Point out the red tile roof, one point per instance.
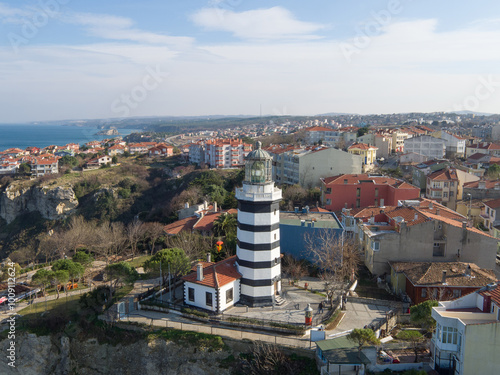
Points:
(361, 146)
(217, 274)
(444, 175)
(319, 129)
(431, 273)
(180, 225)
(494, 293)
(494, 203)
(489, 184)
(353, 179)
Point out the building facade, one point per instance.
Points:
(467, 335)
(426, 145)
(364, 190)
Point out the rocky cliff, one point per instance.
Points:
(51, 202)
(56, 355)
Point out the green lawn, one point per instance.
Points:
(139, 261)
(70, 304)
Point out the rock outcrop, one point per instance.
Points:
(52, 202)
(51, 355)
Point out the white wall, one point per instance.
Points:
(258, 237)
(236, 294)
(199, 296)
(260, 273)
(257, 291)
(258, 219)
(258, 256)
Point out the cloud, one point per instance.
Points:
(121, 28)
(267, 24)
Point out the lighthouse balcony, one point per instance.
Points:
(258, 193)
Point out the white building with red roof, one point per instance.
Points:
(44, 164)
(213, 286)
(467, 336)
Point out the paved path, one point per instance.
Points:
(358, 315)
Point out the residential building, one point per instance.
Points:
(407, 160)
(490, 212)
(471, 209)
(219, 153)
(202, 221)
(455, 145)
(440, 281)
(384, 145)
(9, 167)
(213, 286)
(161, 150)
(442, 186)
(363, 190)
(398, 140)
(117, 150)
(367, 153)
(423, 231)
(422, 170)
(320, 134)
(426, 145)
(303, 228)
(482, 189)
(98, 162)
(492, 149)
(141, 148)
(42, 165)
(305, 166)
(467, 335)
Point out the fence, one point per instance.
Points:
(220, 331)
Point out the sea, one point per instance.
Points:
(25, 135)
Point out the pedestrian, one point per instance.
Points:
(320, 308)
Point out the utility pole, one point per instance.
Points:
(169, 284)
(161, 279)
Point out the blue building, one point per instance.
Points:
(296, 227)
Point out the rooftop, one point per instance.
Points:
(431, 273)
(216, 274)
(320, 219)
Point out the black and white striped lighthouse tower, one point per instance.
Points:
(258, 249)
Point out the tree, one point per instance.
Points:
(421, 314)
(42, 278)
(6, 271)
(494, 171)
(225, 225)
(60, 277)
(121, 272)
(75, 270)
(175, 259)
(414, 337)
(294, 268)
(114, 159)
(84, 258)
(338, 259)
(193, 244)
(134, 232)
(362, 131)
(24, 169)
(362, 337)
(70, 161)
(154, 231)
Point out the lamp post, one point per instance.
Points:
(469, 216)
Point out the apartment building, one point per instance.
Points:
(368, 154)
(330, 137)
(490, 214)
(426, 145)
(422, 231)
(306, 166)
(41, 166)
(398, 140)
(219, 153)
(455, 145)
(492, 149)
(364, 190)
(467, 335)
(482, 189)
(442, 186)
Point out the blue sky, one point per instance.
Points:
(69, 59)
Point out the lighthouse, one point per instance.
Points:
(258, 249)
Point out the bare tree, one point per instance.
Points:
(154, 231)
(194, 245)
(134, 232)
(267, 359)
(338, 259)
(294, 268)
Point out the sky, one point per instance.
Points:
(75, 59)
